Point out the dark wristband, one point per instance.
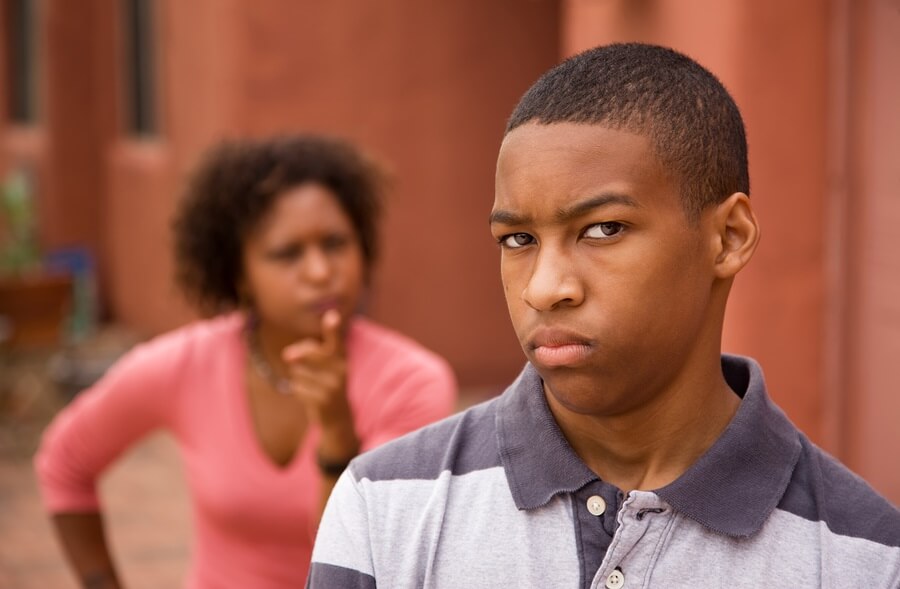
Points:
(332, 468)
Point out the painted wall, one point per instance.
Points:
(871, 403)
(425, 89)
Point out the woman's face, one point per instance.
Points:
(303, 258)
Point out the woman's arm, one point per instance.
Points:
(83, 540)
(337, 446)
(133, 398)
(319, 379)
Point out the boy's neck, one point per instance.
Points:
(650, 447)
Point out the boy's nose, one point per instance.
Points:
(553, 283)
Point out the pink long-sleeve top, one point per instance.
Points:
(253, 520)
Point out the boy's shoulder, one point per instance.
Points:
(823, 489)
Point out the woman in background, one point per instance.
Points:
(271, 397)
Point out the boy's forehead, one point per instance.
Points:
(577, 143)
(576, 158)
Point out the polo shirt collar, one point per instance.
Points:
(537, 459)
(731, 489)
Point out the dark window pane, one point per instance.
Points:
(21, 65)
(140, 74)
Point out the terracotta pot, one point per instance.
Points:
(34, 308)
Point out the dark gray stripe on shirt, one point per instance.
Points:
(463, 443)
(328, 575)
(847, 505)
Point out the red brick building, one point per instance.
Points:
(109, 103)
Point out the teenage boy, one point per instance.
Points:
(629, 452)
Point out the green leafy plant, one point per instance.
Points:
(19, 249)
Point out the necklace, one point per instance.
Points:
(262, 366)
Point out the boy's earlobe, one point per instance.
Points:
(737, 234)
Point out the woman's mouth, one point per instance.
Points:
(322, 305)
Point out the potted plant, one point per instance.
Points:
(34, 303)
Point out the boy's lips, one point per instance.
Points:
(555, 347)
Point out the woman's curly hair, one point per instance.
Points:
(236, 184)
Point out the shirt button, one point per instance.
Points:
(615, 580)
(596, 505)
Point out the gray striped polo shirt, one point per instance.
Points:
(495, 497)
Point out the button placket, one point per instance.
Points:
(639, 528)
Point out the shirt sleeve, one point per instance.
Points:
(135, 397)
(342, 555)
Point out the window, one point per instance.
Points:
(21, 60)
(140, 67)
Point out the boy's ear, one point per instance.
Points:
(736, 234)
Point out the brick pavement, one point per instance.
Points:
(147, 518)
(145, 499)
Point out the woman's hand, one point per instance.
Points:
(318, 375)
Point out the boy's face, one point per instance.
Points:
(608, 284)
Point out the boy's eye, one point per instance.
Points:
(516, 240)
(604, 230)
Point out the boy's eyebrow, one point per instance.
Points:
(578, 209)
(566, 214)
(508, 218)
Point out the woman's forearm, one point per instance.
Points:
(338, 445)
(84, 542)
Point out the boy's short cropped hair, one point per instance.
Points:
(695, 126)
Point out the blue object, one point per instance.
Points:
(77, 261)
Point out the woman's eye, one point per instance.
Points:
(516, 240)
(334, 242)
(286, 253)
(604, 230)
